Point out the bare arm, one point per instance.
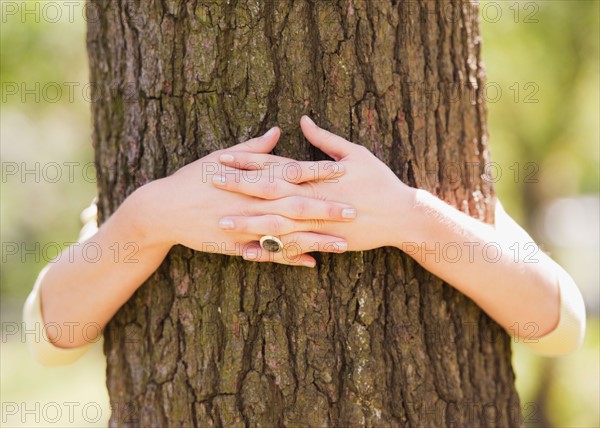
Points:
(89, 282)
(499, 267)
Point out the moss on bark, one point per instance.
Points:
(368, 338)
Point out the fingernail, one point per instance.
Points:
(251, 255)
(348, 213)
(341, 246)
(269, 132)
(310, 121)
(218, 179)
(226, 224)
(309, 263)
(226, 158)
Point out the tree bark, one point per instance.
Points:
(367, 338)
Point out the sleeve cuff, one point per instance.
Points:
(568, 335)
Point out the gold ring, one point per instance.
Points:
(271, 244)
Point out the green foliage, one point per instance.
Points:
(45, 119)
(545, 126)
(547, 111)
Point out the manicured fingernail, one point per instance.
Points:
(218, 179)
(226, 223)
(309, 263)
(310, 121)
(348, 213)
(341, 246)
(226, 158)
(251, 255)
(269, 133)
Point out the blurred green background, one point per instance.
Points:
(543, 95)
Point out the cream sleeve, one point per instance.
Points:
(568, 334)
(44, 351)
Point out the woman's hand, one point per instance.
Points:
(382, 202)
(391, 213)
(185, 208)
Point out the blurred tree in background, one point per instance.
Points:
(543, 56)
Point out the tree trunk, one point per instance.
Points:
(367, 338)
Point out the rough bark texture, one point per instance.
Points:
(367, 338)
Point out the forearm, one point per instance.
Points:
(90, 281)
(520, 292)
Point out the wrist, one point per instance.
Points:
(138, 221)
(412, 217)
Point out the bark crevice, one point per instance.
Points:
(367, 339)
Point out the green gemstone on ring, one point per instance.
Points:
(271, 244)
